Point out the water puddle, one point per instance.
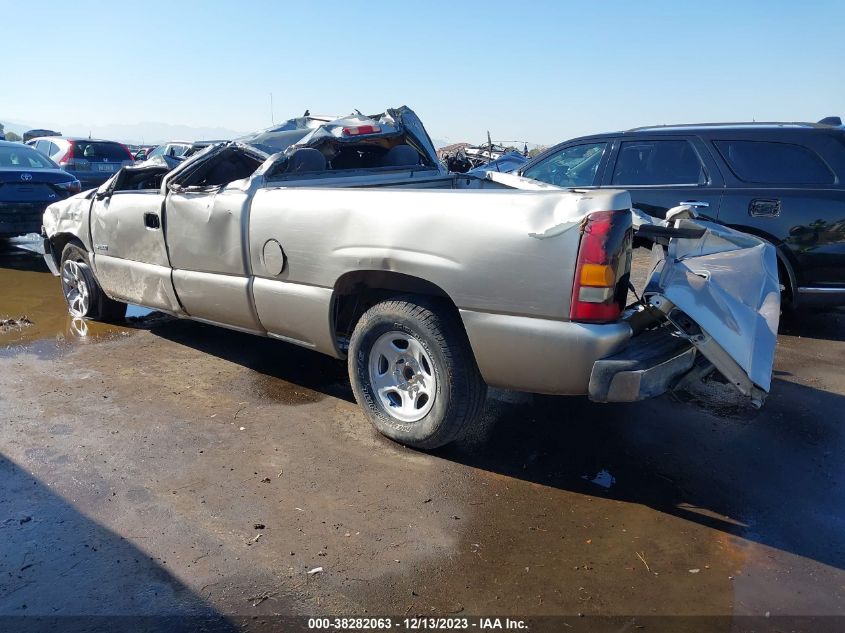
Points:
(33, 314)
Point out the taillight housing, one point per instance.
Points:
(71, 187)
(603, 267)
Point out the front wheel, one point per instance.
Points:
(413, 372)
(85, 299)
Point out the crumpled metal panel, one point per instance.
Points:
(393, 122)
(727, 282)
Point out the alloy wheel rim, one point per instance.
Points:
(75, 288)
(402, 376)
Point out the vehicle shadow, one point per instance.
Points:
(64, 571)
(826, 325)
(770, 477)
(269, 357)
(14, 258)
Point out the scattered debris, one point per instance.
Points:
(694, 571)
(21, 322)
(254, 539)
(259, 526)
(718, 397)
(266, 480)
(25, 519)
(316, 570)
(266, 595)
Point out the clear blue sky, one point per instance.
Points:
(538, 71)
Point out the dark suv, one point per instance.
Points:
(784, 182)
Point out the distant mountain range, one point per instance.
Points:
(148, 132)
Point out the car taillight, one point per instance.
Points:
(69, 156)
(72, 187)
(361, 129)
(603, 267)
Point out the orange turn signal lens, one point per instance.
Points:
(597, 275)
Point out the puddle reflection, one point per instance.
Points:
(32, 303)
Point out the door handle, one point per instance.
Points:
(152, 221)
(696, 204)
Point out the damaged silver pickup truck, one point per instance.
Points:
(347, 236)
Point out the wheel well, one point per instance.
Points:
(58, 243)
(787, 278)
(356, 292)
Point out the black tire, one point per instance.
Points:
(97, 306)
(459, 390)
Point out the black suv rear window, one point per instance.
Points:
(100, 151)
(767, 162)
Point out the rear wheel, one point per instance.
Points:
(414, 374)
(85, 299)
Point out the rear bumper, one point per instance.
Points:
(92, 180)
(21, 218)
(648, 366)
(540, 355)
(606, 362)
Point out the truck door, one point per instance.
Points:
(207, 219)
(130, 256)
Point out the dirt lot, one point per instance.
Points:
(173, 467)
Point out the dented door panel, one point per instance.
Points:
(205, 231)
(220, 299)
(129, 253)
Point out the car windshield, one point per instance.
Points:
(24, 157)
(100, 151)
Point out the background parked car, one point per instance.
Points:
(91, 161)
(31, 134)
(143, 152)
(29, 182)
(784, 182)
(179, 149)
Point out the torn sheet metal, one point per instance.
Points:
(727, 282)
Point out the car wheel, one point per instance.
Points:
(413, 372)
(85, 299)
